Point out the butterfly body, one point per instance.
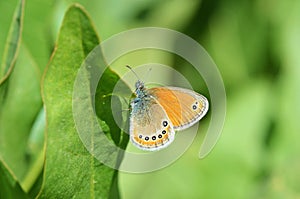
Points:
(157, 112)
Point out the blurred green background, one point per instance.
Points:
(255, 45)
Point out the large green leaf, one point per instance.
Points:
(70, 171)
(12, 43)
(9, 186)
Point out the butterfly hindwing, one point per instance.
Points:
(183, 107)
(150, 126)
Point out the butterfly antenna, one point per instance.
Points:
(133, 72)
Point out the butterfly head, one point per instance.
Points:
(139, 88)
(139, 85)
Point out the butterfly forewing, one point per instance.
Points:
(151, 129)
(183, 107)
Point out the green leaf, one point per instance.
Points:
(9, 186)
(12, 43)
(18, 111)
(70, 170)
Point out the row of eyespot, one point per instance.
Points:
(153, 137)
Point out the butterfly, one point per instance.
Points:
(156, 113)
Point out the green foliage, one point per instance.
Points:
(69, 169)
(20, 102)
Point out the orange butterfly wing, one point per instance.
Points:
(183, 107)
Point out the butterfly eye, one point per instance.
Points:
(159, 136)
(146, 138)
(140, 136)
(165, 123)
(194, 107)
(164, 132)
(154, 137)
